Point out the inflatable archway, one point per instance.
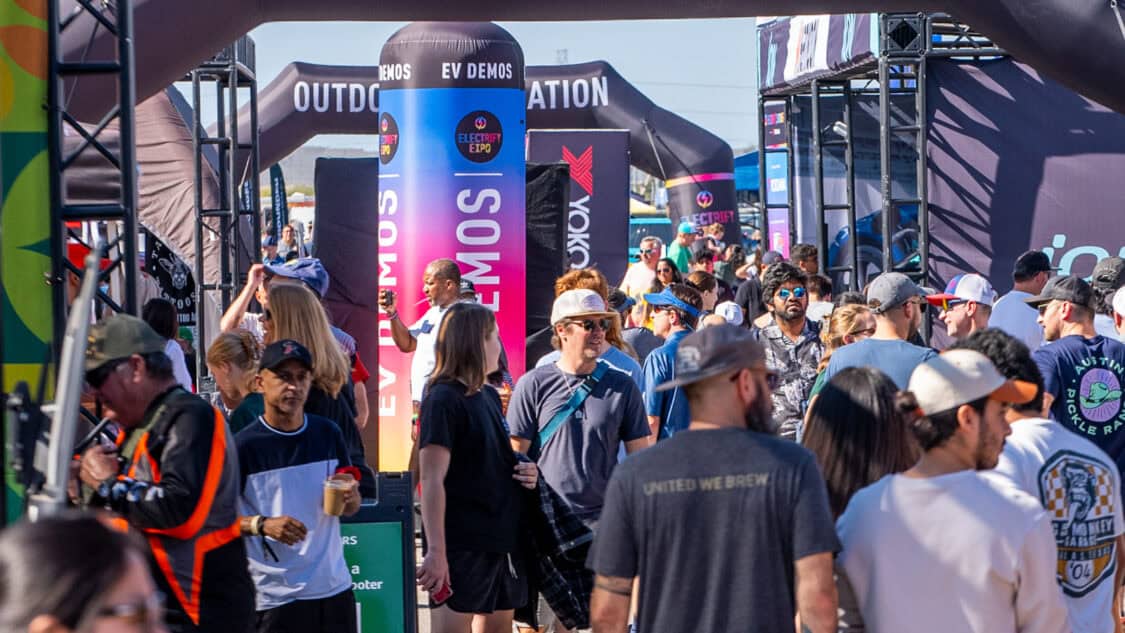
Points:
(1079, 43)
(309, 99)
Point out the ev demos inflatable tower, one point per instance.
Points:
(451, 185)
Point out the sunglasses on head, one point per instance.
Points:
(590, 324)
(97, 377)
(785, 293)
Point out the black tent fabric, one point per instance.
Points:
(1018, 161)
(548, 196)
(345, 188)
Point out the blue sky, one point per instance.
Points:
(703, 70)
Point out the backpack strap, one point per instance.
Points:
(576, 399)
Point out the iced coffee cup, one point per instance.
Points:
(335, 491)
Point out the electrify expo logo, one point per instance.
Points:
(704, 199)
(388, 138)
(479, 136)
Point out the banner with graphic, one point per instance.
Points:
(793, 51)
(279, 203)
(451, 185)
(598, 219)
(25, 202)
(175, 278)
(1031, 165)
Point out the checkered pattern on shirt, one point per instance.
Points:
(1054, 490)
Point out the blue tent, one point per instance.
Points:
(746, 172)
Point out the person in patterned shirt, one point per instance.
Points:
(792, 343)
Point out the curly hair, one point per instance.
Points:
(777, 275)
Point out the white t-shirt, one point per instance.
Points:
(174, 352)
(425, 331)
(638, 280)
(1015, 317)
(960, 552)
(1080, 488)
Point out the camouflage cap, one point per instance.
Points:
(120, 336)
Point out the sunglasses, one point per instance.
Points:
(785, 293)
(647, 251)
(590, 324)
(97, 377)
(949, 304)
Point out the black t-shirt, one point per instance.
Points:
(712, 522)
(341, 410)
(482, 501)
(749, 297)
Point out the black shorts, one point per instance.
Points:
(484, 582)
(334, 614)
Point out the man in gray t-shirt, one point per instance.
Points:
(578, 459)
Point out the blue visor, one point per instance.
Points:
(667, 299)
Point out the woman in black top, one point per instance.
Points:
(470, 483)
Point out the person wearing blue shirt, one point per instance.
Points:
(675, 312)
(897, 303)
(1083, 372)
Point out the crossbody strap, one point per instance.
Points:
(576, 400)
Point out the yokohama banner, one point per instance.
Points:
(598, 220)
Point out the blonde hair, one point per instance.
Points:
(240, 349)
(841, 323)
(298, 315)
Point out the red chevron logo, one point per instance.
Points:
(581, 168)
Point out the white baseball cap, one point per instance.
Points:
(730, 311)
(965, 287)
(1119, 301)
(961, 376)
(578, 303)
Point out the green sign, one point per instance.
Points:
(374, 555)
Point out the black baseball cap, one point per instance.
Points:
(283, 350)
(1070, 288)
(1032, 263)
(713, 351)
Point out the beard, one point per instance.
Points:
(759, 416)
(790, 313)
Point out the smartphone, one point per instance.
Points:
(441, 595)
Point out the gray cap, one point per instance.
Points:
(1070, 288)
(714, 351)
(892, 290)
(1109, 274)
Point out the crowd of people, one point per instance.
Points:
(718, 443)
(767, 455)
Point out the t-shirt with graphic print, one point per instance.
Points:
(1086, 377)
(1080, 487)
